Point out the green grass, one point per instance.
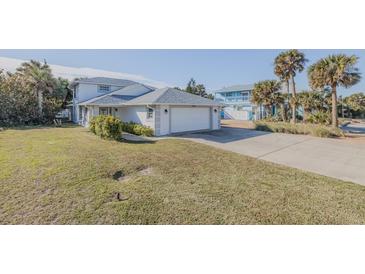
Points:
(65, 176)
(299, 128)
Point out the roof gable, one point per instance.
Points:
(171, 96)
(119, 96)
(104, 81)
(236, 88)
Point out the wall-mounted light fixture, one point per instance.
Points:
(116, 109)
(166, 111)
(215, 110)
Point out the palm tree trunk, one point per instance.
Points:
(40, 102)
(267, 110)
(334, 107)
(305, 114)
(283, 112)
(294, 107)
(287, 106)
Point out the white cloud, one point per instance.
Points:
(10, 64)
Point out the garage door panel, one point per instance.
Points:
(189, 119)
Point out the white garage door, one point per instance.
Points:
(189, 118)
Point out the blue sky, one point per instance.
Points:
(213, 68)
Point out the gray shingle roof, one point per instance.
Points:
(112, 100)
(236, 88)
(105, 81)
(171, 96)
(118, 96)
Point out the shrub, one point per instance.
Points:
(306, 129)
(107, 127)
(137, 129)
(320, 117)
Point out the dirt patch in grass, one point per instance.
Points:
(145, 171)
(120, 176)
(119, 197)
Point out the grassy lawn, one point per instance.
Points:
(68, 176)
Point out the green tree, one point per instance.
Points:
(31, 95)
(355, 101)
(39, 78)
(266, 93)
(18, 103)
(334, 71)
(191, 86)
(197, 89)
(62, 92)
(287, 65)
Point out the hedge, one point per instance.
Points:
(299, 128)
(109, 127)
(137, 129)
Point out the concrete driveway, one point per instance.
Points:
(331, 157)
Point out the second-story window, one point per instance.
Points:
(245, 96)
(103, 88)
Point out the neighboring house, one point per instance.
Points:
(165, 110)
(237, 101)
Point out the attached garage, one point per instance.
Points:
(166, 111)
(190, 119)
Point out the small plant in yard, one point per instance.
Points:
(299, 128)
(107, 127)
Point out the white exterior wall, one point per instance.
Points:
(85, 92)
(161, 120)
(216, 118)
(137, 114)
(88, 91)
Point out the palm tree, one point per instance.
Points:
(334, 71)
(40, 77)
(281, 71)
(287, 65)
(309, 100)
(279, 100)
(266, 93)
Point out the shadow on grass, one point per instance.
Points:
(136, 142)
(50, 126)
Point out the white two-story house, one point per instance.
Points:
(165, 110)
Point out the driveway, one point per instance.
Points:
(336, 158)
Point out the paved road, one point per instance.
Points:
(357, 128)
(331, 157)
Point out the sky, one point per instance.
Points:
(213, 68)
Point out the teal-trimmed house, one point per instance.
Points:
(237, 103)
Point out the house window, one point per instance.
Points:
(245, 96)
(149, 113)
(103, 111)
(103, 88)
